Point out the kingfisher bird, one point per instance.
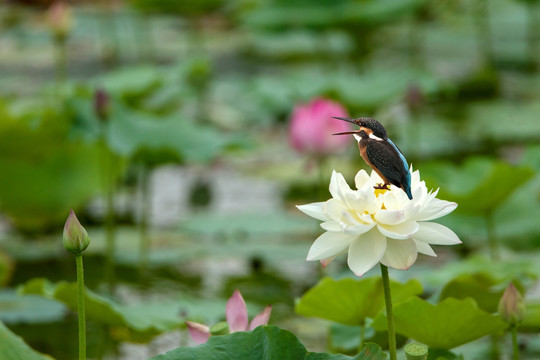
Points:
(379, 152)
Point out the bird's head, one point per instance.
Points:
(368, 126)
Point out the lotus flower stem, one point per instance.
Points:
(61, 59)
(481, 20)
(108, 189)
(80, 306)
(109, 37)
(389, 313)
(144, 245)
(515, 348)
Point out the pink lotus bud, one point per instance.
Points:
(101, 104)
(312, 127)
(511, 305)
(60, 19)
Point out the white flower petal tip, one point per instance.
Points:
(315, 210)
(436, 234)
(329, 244)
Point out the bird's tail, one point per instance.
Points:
(407, 190)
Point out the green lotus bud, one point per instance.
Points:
(60, 19)
(512, 305)
(75, 238)
(221, 328)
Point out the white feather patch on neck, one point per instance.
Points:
(374, 137)
(357, 137)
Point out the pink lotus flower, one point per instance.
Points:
(312, 127)
(237, 318)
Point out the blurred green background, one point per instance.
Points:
(183, 171)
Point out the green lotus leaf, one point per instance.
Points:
(350, 301)
(263, 343)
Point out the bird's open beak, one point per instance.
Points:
(346, 133)
(352, 121)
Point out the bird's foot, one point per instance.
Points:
(382, 187)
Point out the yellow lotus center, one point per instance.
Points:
(380, 192)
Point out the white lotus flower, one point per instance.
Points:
(378, 225)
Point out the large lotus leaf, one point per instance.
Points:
(368, 91)
(132, 83)
(36, 193)
(279, 15)
(448, 324)
(350, 301)
(6, 267)
(481, 287)
(346, 338)
(16, 309)
(137, 323)
(263, 343)
(44, 172)
(132, 133)
(532, 157)
(479, 186)
(13, 347)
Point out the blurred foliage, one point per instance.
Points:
(31, 309)
(6, 267)
(14, 348)
(189, 8)
(48, 172)
(322, 14)
(136, 323)
(479, 186)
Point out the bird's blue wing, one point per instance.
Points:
(388, 160)
(404, 161)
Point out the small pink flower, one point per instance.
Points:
(237, 318)
(312, 127)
